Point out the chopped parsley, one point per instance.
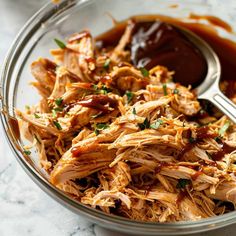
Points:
(103, 90)
(95, 87)
(100, 126)
(57, 109)
(209, 155)
(144, 71)
(156, 124)
(175, 91)
(134, 111)
(218, 139)
(182, 183)
(224, 128)
(27, 107)
(145, 124)
(54, 113)
(107, 63)
(60, 44)
(36, 115)
(96, 131)
(58, 101)
(129, 96)
(27, 152)
(58, 126)
(164, 89)
(192, 140)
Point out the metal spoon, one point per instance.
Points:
(209, 88)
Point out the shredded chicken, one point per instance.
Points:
(127, 142)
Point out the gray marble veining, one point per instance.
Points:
(25, 210)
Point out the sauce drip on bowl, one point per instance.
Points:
(224, 48)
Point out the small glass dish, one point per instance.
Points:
(36, 39)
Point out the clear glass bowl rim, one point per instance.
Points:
(109, 221)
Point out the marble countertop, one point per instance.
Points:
(25, 210)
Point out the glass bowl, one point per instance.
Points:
(36, 39)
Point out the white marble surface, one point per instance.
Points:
(24, 209)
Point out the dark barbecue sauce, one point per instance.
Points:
(99, 102)
(180, 197)
(156, 41)
(201, 133)
(197, 174)
(217, 156)
(164, 44)
(159, 43)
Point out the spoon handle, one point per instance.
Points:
(224, 104)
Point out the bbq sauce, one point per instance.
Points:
(197, 174)
(221, 153)
(201, 133)
(99, 102)
(224, 48)
(181, 195)
(159, 43)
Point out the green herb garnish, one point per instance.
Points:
(218, 139)
(36, 115)
(58, 101)
(96, 131)
(27, 107)
(60, 44)
(145, 124)
(156, 124)
(164, 89)
(54, 113)
(182, 183)
(100, 126)
(57, 125)
(129, 95)
(144, 71)
(27, 152)
(134, 111)
(224, 128)
(175, 91)
(95, 87)
(104, 90)
(192, 140)
(209, 155)
(107, 63)
(57, 109)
